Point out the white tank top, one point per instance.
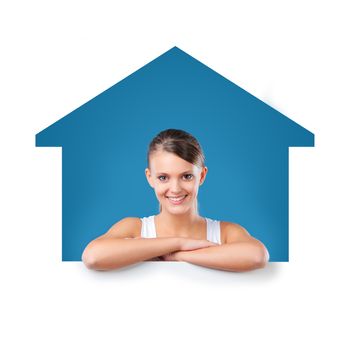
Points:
(213, 229)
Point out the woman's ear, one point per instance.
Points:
(149, 177)
(203, 175)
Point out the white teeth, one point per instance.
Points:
(177, 199)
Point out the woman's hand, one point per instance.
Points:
(186, 245)
(192, 244)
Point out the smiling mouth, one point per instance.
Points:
(177, 200)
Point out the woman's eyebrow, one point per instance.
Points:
(185, 172)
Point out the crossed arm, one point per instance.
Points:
(239, 256)
(240, 252)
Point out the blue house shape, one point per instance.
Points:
(104, 144)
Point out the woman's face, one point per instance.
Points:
(175, 181)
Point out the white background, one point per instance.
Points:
(55, 56)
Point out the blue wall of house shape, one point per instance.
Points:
(104, 144)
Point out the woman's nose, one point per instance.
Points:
(175, 187)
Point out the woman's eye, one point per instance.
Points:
(188, 176)
(163, 178)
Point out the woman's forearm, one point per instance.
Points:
(112, 253)
(240, 256)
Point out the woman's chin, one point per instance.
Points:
(178, 209)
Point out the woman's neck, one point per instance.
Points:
(179, 224)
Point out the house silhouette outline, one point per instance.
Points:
(104, 145)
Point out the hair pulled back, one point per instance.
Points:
(180, 143)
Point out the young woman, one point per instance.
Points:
(178, 233)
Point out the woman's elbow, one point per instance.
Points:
(89, 258)
(262, 256)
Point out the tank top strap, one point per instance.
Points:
(213, 231)
(148, 229)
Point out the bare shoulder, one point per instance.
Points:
(232, 233)
(129, 227)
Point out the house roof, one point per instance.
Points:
(172, 85)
